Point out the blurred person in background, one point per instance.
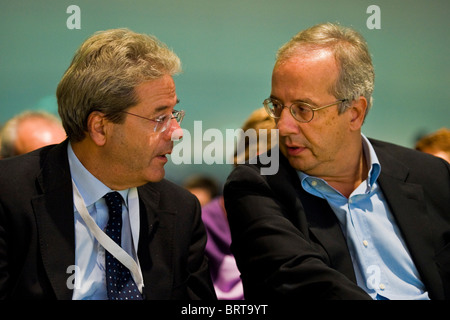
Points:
(205, 188)
(224, 272)
(29, 131)
(436, 143)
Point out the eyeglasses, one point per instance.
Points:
(162, 122)
(301, 111)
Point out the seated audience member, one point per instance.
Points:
(29, 131)
(436, 143)
(224, 272)
(345, 216)
(93, 218)
(1, 127)
(203, 187)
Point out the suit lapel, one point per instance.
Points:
(321, 220)
(156, 243)
(407, 203)
(325, 227)
(54, 217)
(53, 208)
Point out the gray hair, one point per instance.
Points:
(356, 73)
(104, 73)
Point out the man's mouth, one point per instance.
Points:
(295, 150)
(163, 156)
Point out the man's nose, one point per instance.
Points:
(286, 124)
(175, 130)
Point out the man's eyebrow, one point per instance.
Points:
(307, 100)
(159, 109)
(162, 108)
(273, 97)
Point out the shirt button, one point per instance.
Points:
(314, 183)
(382, 286)
(365, 243)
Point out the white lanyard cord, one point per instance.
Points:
(107, 243)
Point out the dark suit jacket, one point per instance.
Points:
(288, 243)
(37, 243)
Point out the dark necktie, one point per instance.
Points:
(119, 282)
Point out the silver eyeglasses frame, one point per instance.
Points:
(269, 101)
(162, 122)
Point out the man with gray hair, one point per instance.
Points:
(345, 217)
(93, 217)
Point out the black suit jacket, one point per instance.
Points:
(37, 243)
(288, 243)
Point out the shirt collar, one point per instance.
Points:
(90, 188)
(372, 163)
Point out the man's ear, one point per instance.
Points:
(96, 125)
(357, 111)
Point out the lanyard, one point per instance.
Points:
(105, 240)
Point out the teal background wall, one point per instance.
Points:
(228, 48)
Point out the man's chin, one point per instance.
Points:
(155, 175)
(297, 163)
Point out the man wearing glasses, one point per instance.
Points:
(93, 218)
(345, 217)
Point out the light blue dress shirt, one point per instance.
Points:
(382, 263)
(90, 281)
